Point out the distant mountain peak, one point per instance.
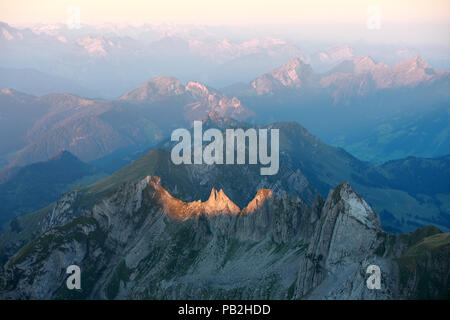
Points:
(197, 98)
(294, 74)
(293, 69)
(418, 62)
(95, 46)
(362, 75)
(364, 59)
(410, 64)
(198, 89)
(333, 55)
(165, 80)
(155, 89)
(413, 71)
(364, 62)
(294, 63)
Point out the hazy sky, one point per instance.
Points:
(224, 12)
(408, 21)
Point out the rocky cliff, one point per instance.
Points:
(141, 242)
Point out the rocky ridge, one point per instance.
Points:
(128, 246)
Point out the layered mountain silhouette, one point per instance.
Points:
(34, 186)
(307, 166)
(200, 100)
(156, 230)
(144, 52)
(38, 83)
(361, 75)
(375, 111)
(224, 231)
(91, 129)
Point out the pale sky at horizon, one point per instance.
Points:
(231, 12)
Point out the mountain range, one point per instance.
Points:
(94, 128)
(86, 175)
(375, 111)
(358, 94)
(158, 230)
(359, 76)
(111, 59)
(140, 242)
(355, 77)
(407, 193)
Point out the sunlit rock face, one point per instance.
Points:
(217, 203)
(258, 201)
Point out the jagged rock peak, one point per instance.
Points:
(294, 63)
(261, 196)
(416, 62)
(355, 206)
(292, 73)
(217, 203)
